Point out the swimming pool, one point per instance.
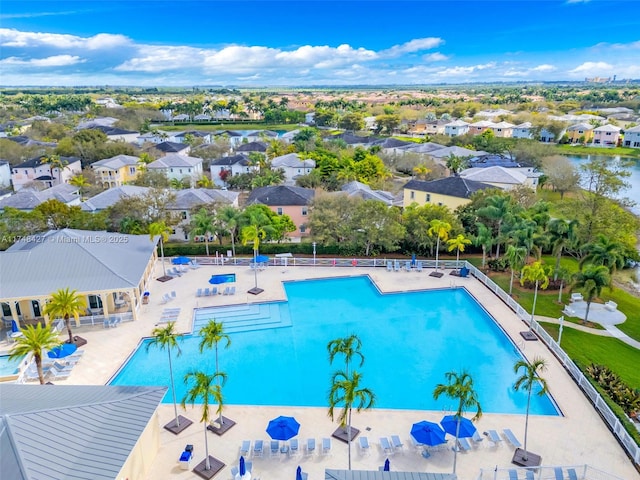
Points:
(409, 340)
(9, 367)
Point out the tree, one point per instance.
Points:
(351, 122)
(81, 182)
(388, 123)
(202, 224)
(161, 229)
(516, 258)
(166, 337)
(440, 230)
(376, 226)
(484, 238)
(458, 243)
(34, 341)
(530, 377)
(498, 209)
(66, 303)
(227, 219)
(346, 390)
(349, 347)
(561, 174)
(459, 387)
(604, 251)
(455, 164)
(536, 272)
(212, 334)
(592, 279)
(561, 234)
(205, 388)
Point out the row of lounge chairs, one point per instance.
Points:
(54, 369)
(395, 266)
(214, 291)
(112, 322)
(291, 448)
(167, 297)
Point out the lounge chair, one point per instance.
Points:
(214, 291)
(611, 306)
(294, 447)
(396, 442)
(477, 437)
(396, 266)
(59, 374)
(234, 471)
(576, 297)
(529, 475)
(326, 446)
(105, 323)
(364, 445)
(464, 445)
(571, 472)
(386, 446)
(226, 291)
(114, 321)
(389, 266)
(248, 465)
(311, 446)
(173, 294)
(512, 438)
(59, 367)
(257, 448)
(407, 266)
(513, 475)
(493, 436)
(232, 291)
(419, 266)
(165, 298)
(206, 292)
(199, 293)
(275, 448)
(557, 471)
(245, 447)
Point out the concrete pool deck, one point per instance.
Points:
(579, 437)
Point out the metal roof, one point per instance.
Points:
(73, 432)
(110, 196)
(281, 195)
(117, 162)
(28, 198)
(495, 174)
(450, 186)
(81, 260)
(377, 475)
(173, 160)
(191, 197)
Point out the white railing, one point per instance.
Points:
(583, 472)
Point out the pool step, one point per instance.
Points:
(243, 318)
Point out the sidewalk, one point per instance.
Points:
(610, 330)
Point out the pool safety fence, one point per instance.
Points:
(583, 472)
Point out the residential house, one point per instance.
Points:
(451, 192)
(546, 136)
(188, 199)
(235, 138)
(179, 167)
(182, 137)
(286, 200)
(119, 134)
(361, 190)
(289, 136)
(480, 127)
(498, 160)
(370, 123)
(442, 155)
(121, 422)
(38, 170)
(172, 147)
(435, 127)
(524, 130)
(116, 171)
(29, 142)
(259, 147)
(499, 177)
(421, 148)
(233, 164)
(502, 129)
(580, 133)
(608, 135)
(203, 117)
(5, 174)
(391, 145)
(104, 268)
(181, 117)
(97, 122)
(493, 113)
(352, 140)
(632, 137)
(293, 166)
(455, 128)
(26, 199)
(110, 197)
(259, 135)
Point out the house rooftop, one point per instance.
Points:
(450, 186)
(173, 161)
(39, 160)
(252, 147)
(240, 159)
(608, 128)
(192, 197)
(117, 162)
(292, 160)
(109, 197)
(28, 198)
(170, 147)
(495, 174)
(281, 195)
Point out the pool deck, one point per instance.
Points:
(579, 437)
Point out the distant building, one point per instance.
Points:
(178, 167)
(360, 190)
(580, 133)
(499, 177)
(455, 128)
(607, 135)
(110, 197)
(116, 171)
(524, 130)
(286, 200)
(233, 164)
(451, 192)
(632, 137)
(40, 171)
(293, 166)
(26, 199)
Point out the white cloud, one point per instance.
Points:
(162, 58)
(14, 38)
(53, 61)
(412, 46)
(435, 57)
(591, 68)
(544, 68)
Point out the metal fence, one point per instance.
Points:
(583, 472)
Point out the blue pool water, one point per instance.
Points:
(409, 340)
(9, 367)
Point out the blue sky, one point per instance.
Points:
(300, 42)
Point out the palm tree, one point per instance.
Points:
(536, 272)
(561, 233)
(202, 224)
(259, 223)
(349, 347)
(529, 377)
(81, 182)
(458, 244)
(346, 390)
(604, 251)
(204, 182)
(498, 209)
(160, 228)
(34, 340)
(66, 303)
(515, 257)
(459, 387)
(166, 337)
(441, 230)
(212, 334)
(55, 162)
(227, 217)
(484, 239)
(591, 280)
(206, 388)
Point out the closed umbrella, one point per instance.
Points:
(450, 425)
(428, 433)
(243, 468)
(386, 465)
(283, 428)
(14, 326)
(299, 473)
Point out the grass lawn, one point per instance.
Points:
(580, 150)
(584, 349)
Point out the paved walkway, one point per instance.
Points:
(609, 331)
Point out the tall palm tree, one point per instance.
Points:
(227, 217)
(205, 388)
(516, 258)
(211, 336)
(562, 233)
(498, 209)
(166, 337)
(254, 232)
(484, 239)
(459, 387)
(591, 280)
(346, 390)
(604, 251)
(81, 182)
(458, 244)
(536, 272)
(202, 224)
(35, 340)
(160, 228)
(66, 303)
(440, 229)
(349, 347)
(530, 376)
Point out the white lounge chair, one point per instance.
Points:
(173, 294)
(396, 265)
(493, 436)
(311, 446)
(257, 448)
(396, 442)
(294, 447)
(206, 292)
(326, 446)
(245, 447)
(232, 291)
(364, 445)
(508, 434)
(611, 306)
(389, 266)
(275, 448)
(226, 291)
(418, 266)
(386, 446)
(199, 293)
(463, 444)
(477, 438)
(214, 291)
(571, 472)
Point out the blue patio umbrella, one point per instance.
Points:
(450, 424)
(181, 261)
(413, 259)
(428, 433)
(242, 467)
(62, 351)
(386, 465)
(262, 259)
(299, 473)
(283, 428)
